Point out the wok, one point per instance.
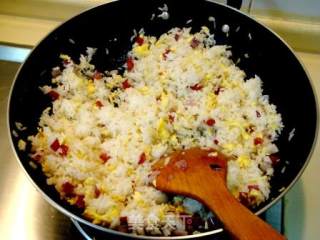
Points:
(111, 25)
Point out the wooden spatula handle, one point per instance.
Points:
(240, 222)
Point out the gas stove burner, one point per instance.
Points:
(273, 216)
(81, 230)
(93, 234)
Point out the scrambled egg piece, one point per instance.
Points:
(90, 87)
(164, 100)
(211, 101)
(143, 90)
(163, 132)
(228, 146)
(141, 51)
(22, 145)
(244, 161)
(64, 57)
(174, 140)
(137, 197)
(108, 216)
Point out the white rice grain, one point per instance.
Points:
(291, 134)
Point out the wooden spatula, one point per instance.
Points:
(201, 174)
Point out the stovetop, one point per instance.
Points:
(24, 214)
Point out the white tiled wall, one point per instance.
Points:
(307, 8)
(302, 9)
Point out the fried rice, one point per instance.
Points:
(103, 132)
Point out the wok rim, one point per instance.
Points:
(82, 220)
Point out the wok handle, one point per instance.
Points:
(235, 3)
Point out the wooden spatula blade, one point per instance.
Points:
(201, 174)
(187, 170)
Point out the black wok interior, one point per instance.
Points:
(284, 79)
